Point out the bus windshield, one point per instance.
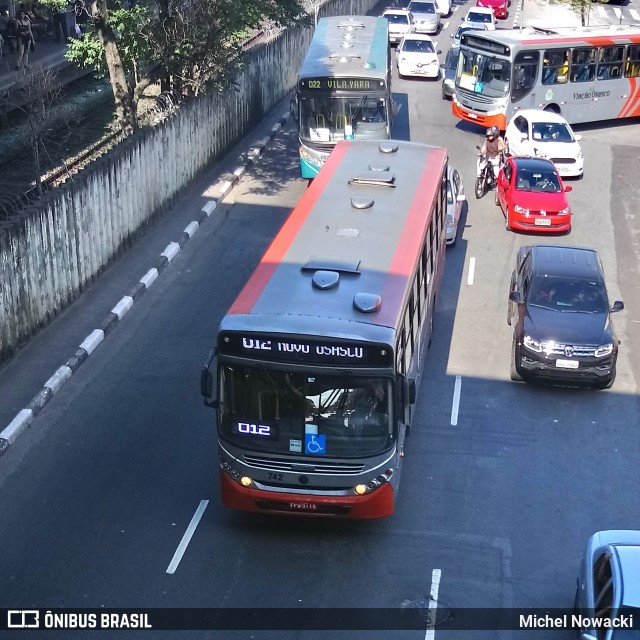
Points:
(484, 74)
(278, 412)
(323, 117)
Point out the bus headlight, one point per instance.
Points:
(246, 481)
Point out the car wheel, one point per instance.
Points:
(495, 197)
(514, 374)
(480, 186)
(507, 152)
(507, 226)
(431, 325)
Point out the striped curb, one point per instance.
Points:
(225, 184)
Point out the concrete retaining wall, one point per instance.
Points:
(59, 246)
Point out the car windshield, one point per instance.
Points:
(484, 74)
(452, 59)
(551, 132)
(476, 16)
(422, 7)
(418, 46)
(568, 294)
(395, 18)
(280, 412)
(537, 181)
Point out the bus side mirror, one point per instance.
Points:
(206, 382)
(293, 107)
(395, 109)
(410, 395)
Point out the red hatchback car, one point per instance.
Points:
(499, 7)
(532, 197)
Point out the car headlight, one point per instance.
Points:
(604, 350)
(518, 209)
(580, 156)
(532, 344)
(565, 211)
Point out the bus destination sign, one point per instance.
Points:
(304, 351)
(341, 84)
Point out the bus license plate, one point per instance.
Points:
(302, 506)
(543, 222)
(567, 364)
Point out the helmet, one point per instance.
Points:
(492, 132)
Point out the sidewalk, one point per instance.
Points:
(47, 55)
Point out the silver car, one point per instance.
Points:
(609, 584)
(449, 69)
(455, 200)
(426, 16)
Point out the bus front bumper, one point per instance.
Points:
(484, 120)
(377, 504)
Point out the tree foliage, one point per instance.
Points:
(580, 7)
(192, 43)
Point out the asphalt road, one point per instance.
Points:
(97, 496)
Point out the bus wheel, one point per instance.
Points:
(554, 108)
(431, 327)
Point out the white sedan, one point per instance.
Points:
(482, 15)
(416, 55)
(455, 200)
(533, 132)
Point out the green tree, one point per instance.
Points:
(581, 7)
(192, 43)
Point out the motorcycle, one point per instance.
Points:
(485, 174)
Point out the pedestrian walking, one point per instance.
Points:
(25, 39)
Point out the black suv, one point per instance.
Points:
(559, 310)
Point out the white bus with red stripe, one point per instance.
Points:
(585, 74)
(319, 357)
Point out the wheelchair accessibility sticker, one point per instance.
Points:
(315, 444)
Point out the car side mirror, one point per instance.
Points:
(451, 35)
(514, 296)
(618, 305)
(411, 391)
(578, 137)
(438, 51)
(568, 187)
(442, 65)
(524, 137)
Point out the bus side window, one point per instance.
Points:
(610, 63)
(583, 65)
(525, 70)
(555, 66)
(632, 66)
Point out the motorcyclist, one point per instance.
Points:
(493, 148)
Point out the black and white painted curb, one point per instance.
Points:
(519, 15)
(225, 184)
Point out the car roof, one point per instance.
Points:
(533, 164)
(480, 10)
(414, 2)
(396, 12)
(539, 115)
(629, 559)
(572, 262)
(419, 36)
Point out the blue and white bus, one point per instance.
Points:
(344, 87)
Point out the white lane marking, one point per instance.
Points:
(634, 14)
(602, 12)
(186, 538)
(456, 401)
(472, 271)
(433, 603)
(618, 12)
(446, 24)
